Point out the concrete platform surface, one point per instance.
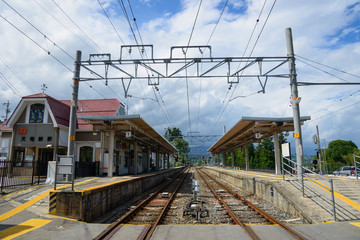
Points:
(24, 215)
(316, 204)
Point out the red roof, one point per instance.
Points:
(3, 126)
(95, 107)
(61, 109)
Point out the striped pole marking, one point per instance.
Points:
(52, 203)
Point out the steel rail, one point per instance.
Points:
(114, 227)
(165, 208)
(264, 214)
(248, 229)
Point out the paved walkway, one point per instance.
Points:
(24, 215)
(26, 209)
(317, 190)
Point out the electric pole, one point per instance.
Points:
(43, 87)
(295, 100)
(7, 110)
(74, 107)
(319, 149)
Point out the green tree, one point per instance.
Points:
(175, 137)
(337, 149)
(264, 154)
(172, 133)
(264, 157)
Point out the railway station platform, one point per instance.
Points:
(286, 195)
(25, 214)
(33, 202)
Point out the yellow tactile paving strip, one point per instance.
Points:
(22, 228)
(279, 177)
(33, 201)
(337, 195)
(257, 174)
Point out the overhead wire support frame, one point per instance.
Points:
(183, 63)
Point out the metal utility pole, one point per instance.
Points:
(295, 100)
(74, 106)
(319, 149)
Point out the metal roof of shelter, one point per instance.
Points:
(253, 129)
(140, 129)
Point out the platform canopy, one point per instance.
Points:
(131, 127)
(253, 129)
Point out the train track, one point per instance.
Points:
(150, 211)
(241, 211)
(233, 209)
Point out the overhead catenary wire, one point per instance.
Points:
(15, 73)
(207, 43)
(36, 43)
(340, 109)
(62, 24)
(10, 85)
(219, 114)
(193, 27)
(258, 37)
(113, 26)
(165, 112)
(117, 33)
(38, 30)
(217, 22)
(122, 6)
(323, 71)
(333, 68)
(186, 78)
(137, 27)
(334, 102)
(83, 32)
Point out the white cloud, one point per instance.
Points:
(317, 26)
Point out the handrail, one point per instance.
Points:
(355, 163)
(303, 171)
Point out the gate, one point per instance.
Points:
(14, 174)
(85, 169)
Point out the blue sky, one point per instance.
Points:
(325, 32)
(350, 33)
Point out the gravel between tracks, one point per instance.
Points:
(216, 213)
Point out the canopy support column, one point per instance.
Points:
(277, 153)
(247, 158)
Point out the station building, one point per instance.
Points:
(106, 140)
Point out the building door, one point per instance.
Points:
(45, 155)
(85, 167)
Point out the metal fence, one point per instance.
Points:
(289, 169)
(85, 169)
(18, 174)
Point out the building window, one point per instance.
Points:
(37, 113)
(19, 156)
(86, 154)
